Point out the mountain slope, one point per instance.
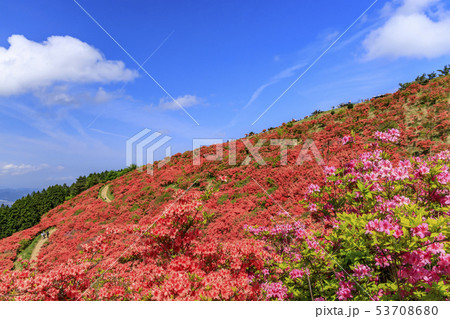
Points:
(234, 196)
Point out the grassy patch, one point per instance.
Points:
(387, 125)
(135, 218)
(134, 207)
(109, 194)
(78, 212)
(26, 253)
(108, 221)
(24, 243)
(26, 249)
(242, 183)
(222, 199)
(173, 186)
(274, 160)
(234, 197)
(272, 183)
(163, 198)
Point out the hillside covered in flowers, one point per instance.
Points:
(368, 220)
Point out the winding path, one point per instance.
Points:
(42, 241)
(39, 245)
(104, 194)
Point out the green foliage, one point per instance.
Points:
(24, 243)
(222, 199)
(242, 183)
(387, 125)
(78, 212)
(26, 253)
(26, 249)
(163, 198)
(235, 196)
(27, 211)
(135, 218)
(273, 184)
(134, 207)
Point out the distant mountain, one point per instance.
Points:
(9, 195)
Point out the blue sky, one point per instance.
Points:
(73, 91)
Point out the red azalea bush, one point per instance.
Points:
(167, 261)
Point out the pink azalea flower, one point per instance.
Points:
(443, 178)
(423, 169)
(391, 135)
(329, 170)
(275, 290)
(313, 188)
(436, 248)
(362, 271)
(296, 273)
(346, 139)
(320, 299)
(421, 230)
(345, 290)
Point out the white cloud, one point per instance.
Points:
(20, 169)
(103, 96)
(185, 101)
(415, 29)
(27, 65)
(58, 95)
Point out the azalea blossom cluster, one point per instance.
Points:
(384, 226)
(347, 139)
(392, 135)
(387, 221)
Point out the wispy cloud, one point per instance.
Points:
(185, 101)
(416, 29)
(63, 95)
(286, 73)
(27, 65)
(20, 169)
(108, 133)
(57, 130)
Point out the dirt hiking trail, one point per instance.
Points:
(39, 245)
